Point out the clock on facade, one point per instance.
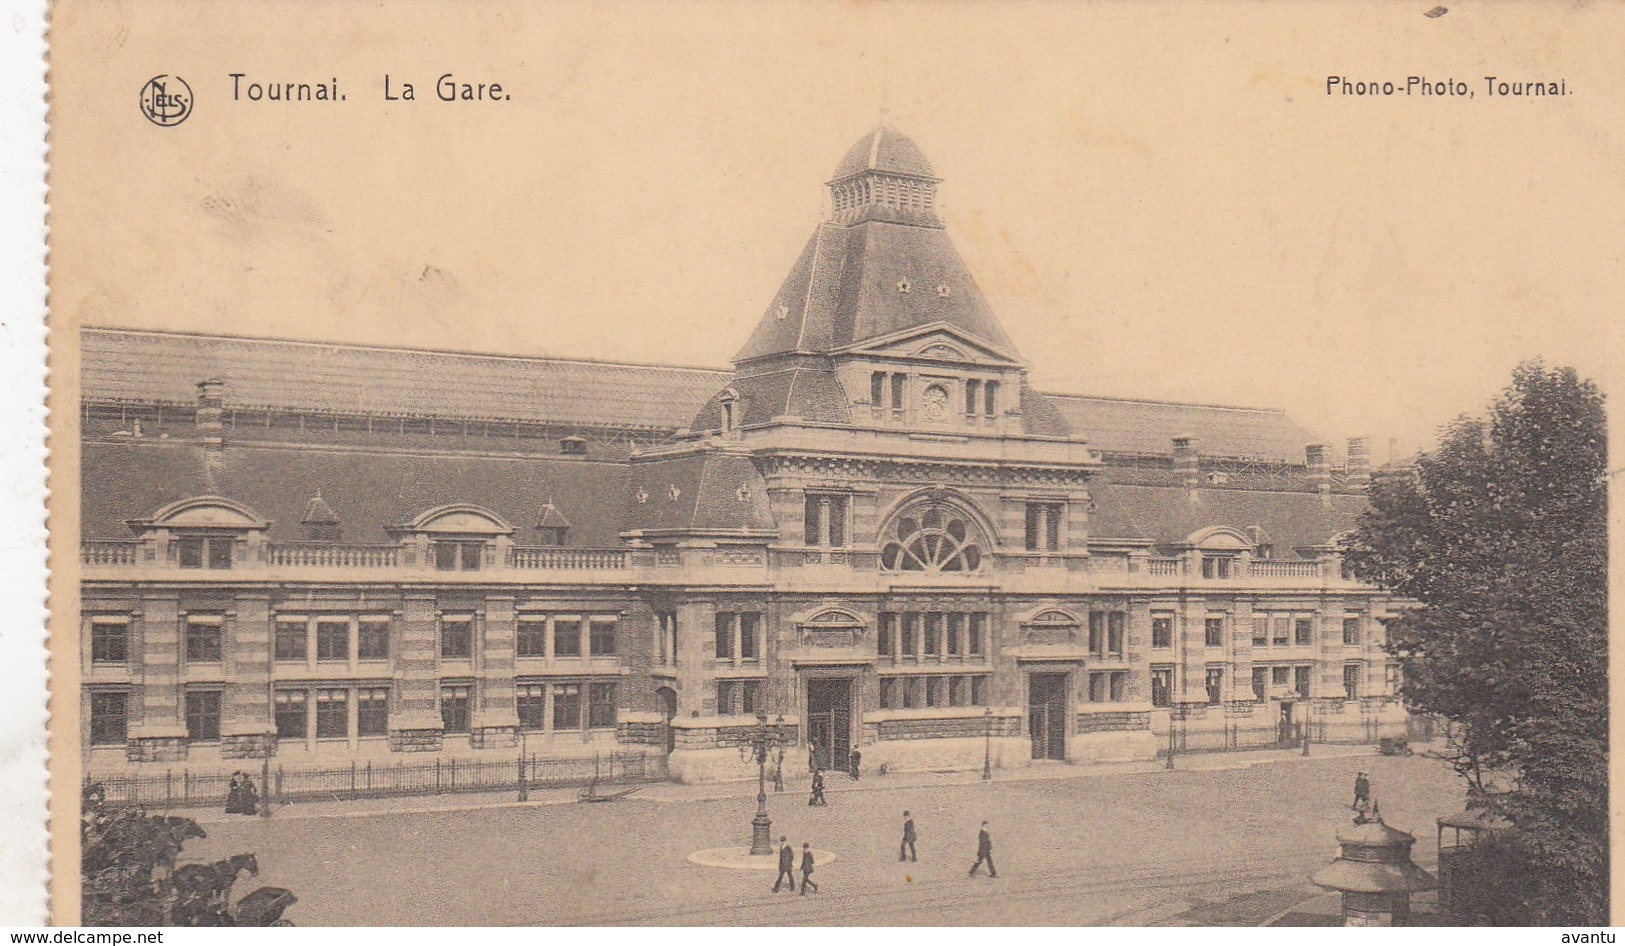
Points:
(935, 402)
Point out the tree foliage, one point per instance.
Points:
(1500, 537)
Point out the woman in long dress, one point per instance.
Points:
(249, 798)
(234, 794)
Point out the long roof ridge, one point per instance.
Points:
(356, 346)
(1161, 403)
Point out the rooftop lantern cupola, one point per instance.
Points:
(885, 176)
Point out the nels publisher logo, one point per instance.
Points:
(166, 101)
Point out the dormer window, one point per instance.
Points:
(200, 551)
(1220, 548)
(458, 556)
(729, 403)
(552, 526)
(203, 532)
(320, 523)
(990, 398)
(458, 538)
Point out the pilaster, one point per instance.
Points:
(1190, 618)
(157, 729)
(496, 719)
(246, 716)
(414, 721)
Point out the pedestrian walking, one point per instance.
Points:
(984, 853)
(1362, 791)
(854, 759)
(807, 869)
(908, 840)
(787, 866)
(817, 799)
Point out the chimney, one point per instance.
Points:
(210, 411)
(1320, 474)
(1359, 463)
(1186, 467)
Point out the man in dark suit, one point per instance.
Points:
(907, 847)
(807, 869)
(984, 852)
(787, 866)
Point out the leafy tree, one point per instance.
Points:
(1500, 536)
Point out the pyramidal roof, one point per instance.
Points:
(319, 513)
(882, 264)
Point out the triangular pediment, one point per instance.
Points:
(938, 342)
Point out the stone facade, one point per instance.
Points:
(873, 532)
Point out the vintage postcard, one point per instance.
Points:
(881, 464)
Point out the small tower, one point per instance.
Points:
(319, 522)
(1374, 873)
(552, 524)
(884, 176)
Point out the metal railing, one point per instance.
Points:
(188, 789)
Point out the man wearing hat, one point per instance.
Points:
(787, 866)
(807, 869)
(984, 853)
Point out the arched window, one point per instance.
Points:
(932, 537)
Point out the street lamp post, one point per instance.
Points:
(265, 774)
(524, 787)
(1173, 714)
(987, 747)
(760, 744)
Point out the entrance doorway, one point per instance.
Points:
(1286, 733)
(1046, 714)
(829, 721)
(666, 699)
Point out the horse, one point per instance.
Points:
(203, 891)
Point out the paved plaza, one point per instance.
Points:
(1226, 839)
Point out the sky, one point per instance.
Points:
(1159, 200)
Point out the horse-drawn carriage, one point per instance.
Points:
(130, 877)
(264, 907)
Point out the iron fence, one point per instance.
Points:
(1237, 738)
(364, 779)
